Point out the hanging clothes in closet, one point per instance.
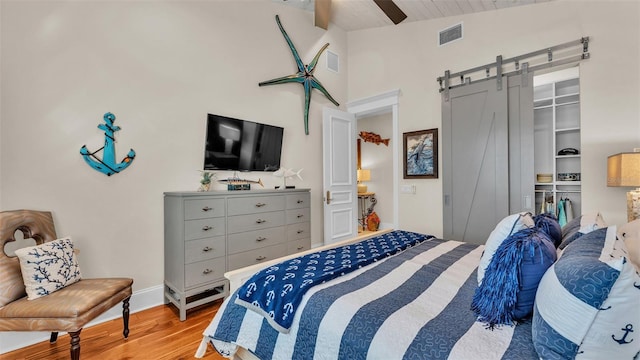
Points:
(562, 216)
(568, 209)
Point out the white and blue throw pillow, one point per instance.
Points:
(505, 228)
(630, 234)
(48, 267)
(588, 303)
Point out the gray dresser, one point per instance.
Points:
(209, 233)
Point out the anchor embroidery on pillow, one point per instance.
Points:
(627, 329)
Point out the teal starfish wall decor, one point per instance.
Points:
(304, 76)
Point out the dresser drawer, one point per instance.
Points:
(256, 239)
(204, 249)
(298, 246)
(298, 215)
(255, 204)
(204, 271)
(256, 256)
(296, 201)
(202, 209)
(198, 229)
(241, 223)
(298, 231)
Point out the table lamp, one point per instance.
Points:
(362, 176)
(624, 170)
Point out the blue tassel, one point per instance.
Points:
(495, 298)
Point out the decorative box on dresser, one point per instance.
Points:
(209, 233)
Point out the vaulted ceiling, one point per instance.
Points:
(352, 15)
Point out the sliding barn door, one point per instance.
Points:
(521, 152)
(486, 156)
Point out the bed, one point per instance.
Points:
(414, 304)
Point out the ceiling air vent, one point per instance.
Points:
(450, 34)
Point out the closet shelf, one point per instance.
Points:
(568, 183)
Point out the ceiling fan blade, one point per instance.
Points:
(322, 13)
(391, 10)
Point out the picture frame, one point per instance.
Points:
(420, 150)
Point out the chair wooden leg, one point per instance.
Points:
(75, 344)
(125, 317)
(54, 337)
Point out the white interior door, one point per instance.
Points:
(339, 179)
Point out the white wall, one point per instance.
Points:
(160, 67)
(407, 57)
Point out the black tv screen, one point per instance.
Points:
(233, 144)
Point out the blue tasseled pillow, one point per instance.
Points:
(508, 290)
(548, 224)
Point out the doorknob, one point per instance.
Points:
(328, 197)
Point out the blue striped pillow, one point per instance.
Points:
(587, 304)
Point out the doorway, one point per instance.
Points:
(336, 227)
(379, 114)
(376, 163)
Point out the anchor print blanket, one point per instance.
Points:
(276, 292)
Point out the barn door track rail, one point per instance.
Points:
(523, 64)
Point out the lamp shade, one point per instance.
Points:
(364, 175)
(624, 169)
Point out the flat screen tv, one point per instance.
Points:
(241, 145)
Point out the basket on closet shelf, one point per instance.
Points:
(544, 178)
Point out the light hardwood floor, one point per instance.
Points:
(156, 333)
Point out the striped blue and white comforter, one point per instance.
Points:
(414, 305)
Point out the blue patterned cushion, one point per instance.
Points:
(587, 302)
(579, 226)
(48, 267)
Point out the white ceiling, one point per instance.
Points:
(364, 14)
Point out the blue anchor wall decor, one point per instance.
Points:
(107, 165)
(304, 76)
(623, 340)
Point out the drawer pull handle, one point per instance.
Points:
(207, 249)
(300, 231)
(206, 208)
(299, 216)
(300, 201)
(300, 247)
(207, 271)
(261, 238)
(207, 228)
(260, 204)
(260, 221)
(260, 258)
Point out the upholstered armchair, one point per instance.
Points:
(67, 309)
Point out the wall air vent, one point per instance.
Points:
(333, 62)
(450, 34)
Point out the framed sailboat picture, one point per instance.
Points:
(420, 154)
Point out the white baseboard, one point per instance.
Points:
(140, 300)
